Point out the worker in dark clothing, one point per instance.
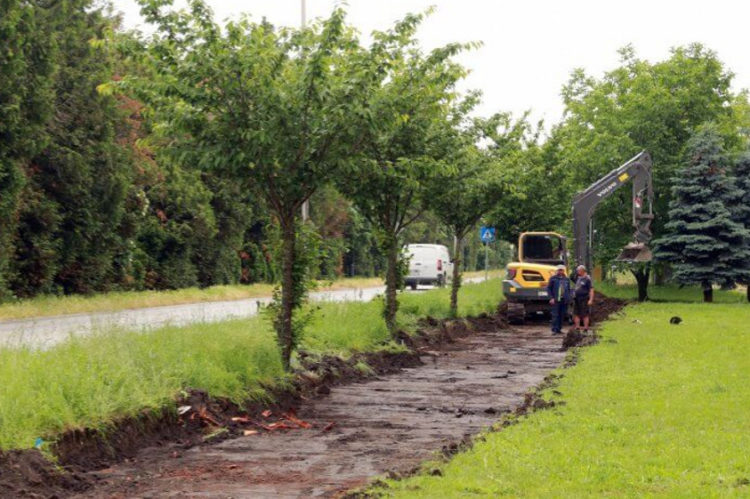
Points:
(584, 298)
(558, 289)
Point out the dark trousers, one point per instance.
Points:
(559, 310)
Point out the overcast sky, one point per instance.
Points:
(530, 47)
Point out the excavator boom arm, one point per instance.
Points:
(638, 171)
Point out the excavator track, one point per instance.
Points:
(516, 313)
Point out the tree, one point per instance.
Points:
(742, 211)
(401, 147)
(703, 243)
(27, 55)
(536, 197)
(74, 199)
(641, 105)
(461, 195)
(271, 107)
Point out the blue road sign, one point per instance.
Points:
(487, 234)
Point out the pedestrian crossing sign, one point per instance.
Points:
(487, 234)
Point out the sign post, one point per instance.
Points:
(486, 235)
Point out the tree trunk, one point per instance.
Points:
(456, 284)
(708, 292)
(392, 280)
(284, 320)
(748, 292)
(662, 274)
(642, 274)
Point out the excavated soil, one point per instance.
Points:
(338, 429)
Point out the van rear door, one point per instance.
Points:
(423, 265)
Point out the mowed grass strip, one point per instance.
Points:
(91, 381)
(671, 293)
(654, 409)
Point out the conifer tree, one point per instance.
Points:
(742, 211)
(704, 243)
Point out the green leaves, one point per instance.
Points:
(704, 243)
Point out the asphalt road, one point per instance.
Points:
(44, 332)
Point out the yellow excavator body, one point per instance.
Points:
(525, 285)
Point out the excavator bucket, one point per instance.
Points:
(635, 252)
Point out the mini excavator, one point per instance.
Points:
(525, 286)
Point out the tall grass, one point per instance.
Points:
(85, 382)
(89, 381)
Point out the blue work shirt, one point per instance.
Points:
(559, 289)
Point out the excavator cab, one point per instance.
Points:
(525, 286)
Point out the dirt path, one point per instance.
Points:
(391, 423)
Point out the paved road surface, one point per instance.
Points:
(44, 332)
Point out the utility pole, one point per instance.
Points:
(486, 260)
(303, 23)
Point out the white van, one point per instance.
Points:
(428, 264)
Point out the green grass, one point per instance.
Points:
(89, 381)
(473, 299)
(670, 292)
(660, 410)
(85, 382)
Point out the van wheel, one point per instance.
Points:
(441, 281)
(413, 286)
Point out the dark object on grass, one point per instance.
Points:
(675, 320)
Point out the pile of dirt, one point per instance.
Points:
(198, 418)
(29, 474)
(604, 307)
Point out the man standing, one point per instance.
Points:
(558, 289)
(583, 299)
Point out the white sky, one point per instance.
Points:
(531, 46)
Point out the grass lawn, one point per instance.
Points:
(86, 382)
(670, 292)
(44, 306)
(654, 409)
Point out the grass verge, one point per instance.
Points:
(654, 409)
(670, 293)
(89, 381)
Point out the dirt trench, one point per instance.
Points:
(455, 382)
(389, 424)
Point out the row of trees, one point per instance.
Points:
(656, 106)
(283, 113)
(88, 200)
(183, 158)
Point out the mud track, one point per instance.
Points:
(388, 424)
(456, 382)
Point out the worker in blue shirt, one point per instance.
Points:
(558, 289)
